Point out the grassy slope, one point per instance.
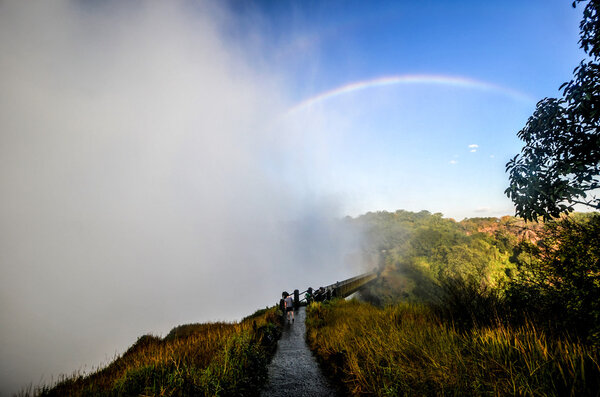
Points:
(405, 349)
(195, 359)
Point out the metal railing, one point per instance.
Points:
(340, 289)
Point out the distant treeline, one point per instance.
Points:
(479, 270)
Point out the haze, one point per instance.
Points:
(164, 163)
(137, 184)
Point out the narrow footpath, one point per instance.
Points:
(294, 371)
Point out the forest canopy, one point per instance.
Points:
(479, 269)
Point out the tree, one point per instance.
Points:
(559, 166)
(558, 282)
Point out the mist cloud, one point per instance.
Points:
(144, 183)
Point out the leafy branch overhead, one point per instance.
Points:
(559, 166)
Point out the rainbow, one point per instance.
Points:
(453, 81)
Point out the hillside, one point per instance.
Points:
(484, 306)
(406, 349)
(192, 360)
(415, 251)
(485, 265)
(480, 306)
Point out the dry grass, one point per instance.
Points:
(407, 350)
(196, 359)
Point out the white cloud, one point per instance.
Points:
(492, 156)
(473, 146)
(453, 162)
(473, 150)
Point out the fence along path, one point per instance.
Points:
(294, 371)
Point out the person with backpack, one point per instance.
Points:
(289, 307)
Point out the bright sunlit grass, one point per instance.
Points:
(405, 349)
(195, 359)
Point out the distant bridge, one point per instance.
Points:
(340, 289)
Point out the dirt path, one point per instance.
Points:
(294, 371)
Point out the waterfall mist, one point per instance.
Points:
(148, 179)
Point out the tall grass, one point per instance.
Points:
(407, 350)
(195, 359)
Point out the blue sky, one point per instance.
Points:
(155, 156)
(330, 43)
(409, 145)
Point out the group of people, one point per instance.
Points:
(287, 301)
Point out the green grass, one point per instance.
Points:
(407, 350)
(195, 359)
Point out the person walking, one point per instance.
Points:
(309, 296)
(289, 307)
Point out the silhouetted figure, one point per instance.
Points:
(320, 295)
(282, 301)
(309, 296)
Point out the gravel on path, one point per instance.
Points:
(294, 371)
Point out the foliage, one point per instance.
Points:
(194, 359)
(559, 283)
(416, 252)
(468, 303)
(407, 350)
(479, 270)
(560, 163)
